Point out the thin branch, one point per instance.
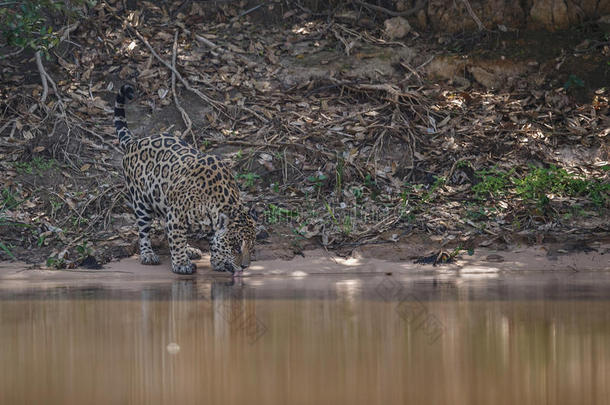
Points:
(45, 78)
(215, 47)
(244, 59)
(244, 13)
(68, 30)
(183, 113)
(219, 106)
(101, 138)
(13, 130)
(15, 53)
(45, 86)
(9, 122)
(473, 15)
(206, 41)
(50, 79)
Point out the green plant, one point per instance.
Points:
(6, 248)
(371, 184)
(347, 225)
(493, 183)
(317, 180)
(248, 179)
(298, 230)
(477, 213)
(37, 166)
(574, 211)
(412, 193)
(406, 193)
(463, 164)
(25, 26)
(55, 206)
(438, 183)
(8, 202)
(83, 251)
(573, 81)
(368, 181)
(539, 183)
(332, 214)
(32, 24)
(275, 214)
(56, 262)
(408, 216)
(78, 221)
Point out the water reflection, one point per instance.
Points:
(279, 341)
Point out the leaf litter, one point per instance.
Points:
(337, 135)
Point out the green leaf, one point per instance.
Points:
(6, 250)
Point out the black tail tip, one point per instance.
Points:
(127, 91)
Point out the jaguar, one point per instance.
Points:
(191, 190)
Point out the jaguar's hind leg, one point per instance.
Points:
(176, 235)
(144, 220)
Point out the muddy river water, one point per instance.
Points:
(541, 338)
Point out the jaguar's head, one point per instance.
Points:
(232, 245)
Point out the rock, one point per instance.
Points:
(550, 14)
(560, 14)
(494, 73)
(445, 67)
(490, 73)
(485, 78)
(452, 16)
(396, 27)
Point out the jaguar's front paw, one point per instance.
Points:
(149, 258)
(189, 268)
(193, 253)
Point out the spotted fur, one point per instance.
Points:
(167, 177)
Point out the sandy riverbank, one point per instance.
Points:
(385, 259)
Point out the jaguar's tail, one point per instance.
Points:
(126, 93)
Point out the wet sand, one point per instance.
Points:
(372, 259)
